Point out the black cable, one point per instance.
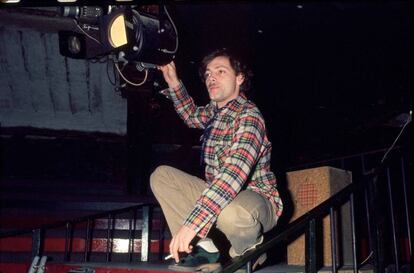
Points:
(396, 139)
(107, 73)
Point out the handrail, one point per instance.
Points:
(72, 221)
(38, 232)
(293, 228)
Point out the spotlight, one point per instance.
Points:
(141, 37)
(138, 36)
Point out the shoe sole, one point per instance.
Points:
(205, 268)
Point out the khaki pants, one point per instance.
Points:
(243, 221)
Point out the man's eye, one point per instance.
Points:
(222, 71)
(206, 75)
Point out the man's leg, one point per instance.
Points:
(245, 220)
(177, 193)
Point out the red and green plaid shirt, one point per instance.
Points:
(236, 155)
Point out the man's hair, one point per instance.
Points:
(236, 64)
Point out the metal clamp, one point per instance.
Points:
(38, 265)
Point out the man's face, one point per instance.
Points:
(222, 83)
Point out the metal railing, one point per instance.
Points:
(379, 209)
(38, 233)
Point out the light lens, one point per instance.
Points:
(117, 32)
(74, 45)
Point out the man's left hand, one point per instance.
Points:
(181, 242)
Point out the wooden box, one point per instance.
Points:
(309, 188)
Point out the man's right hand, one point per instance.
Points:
(170, 74)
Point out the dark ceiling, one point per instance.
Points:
(331, 78)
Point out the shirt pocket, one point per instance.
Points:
(221, 151)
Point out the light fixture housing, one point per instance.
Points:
(140, 37)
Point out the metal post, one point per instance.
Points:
(37, 242)
(354, 239)
(249, 267)
(310, 247)
(368, 215)
(68, 241)
(132, 229)
(109, 238)
(407, 214)
(375, 227)
(393, 224)
(145, 235)
(333, 239)
(87, 241)
(161, 236)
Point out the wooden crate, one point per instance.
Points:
(308, 189)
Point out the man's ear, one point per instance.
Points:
(240, 79)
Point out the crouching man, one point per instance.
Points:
(239, 194)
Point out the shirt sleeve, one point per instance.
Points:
(193, 116)
(242, 156)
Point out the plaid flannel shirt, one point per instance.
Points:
(236, 155)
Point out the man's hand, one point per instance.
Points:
(181, 242)
(170, 74)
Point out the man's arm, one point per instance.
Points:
(193, 116)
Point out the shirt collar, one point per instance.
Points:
(233, 107)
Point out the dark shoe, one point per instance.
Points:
(198, 260)
(256, 263)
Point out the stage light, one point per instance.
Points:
(123, 31)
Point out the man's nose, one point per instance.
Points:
(211, 78)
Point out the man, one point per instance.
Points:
(239, 194)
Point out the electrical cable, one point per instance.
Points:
(140, 29)
(129, 82)
(396, 139)
(366, 259)
(109, 77)
(84, 32)
(176, 34)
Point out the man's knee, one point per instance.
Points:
(233, 219)
(158, 177)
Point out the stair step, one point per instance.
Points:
(161, 267)
(97, 267)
